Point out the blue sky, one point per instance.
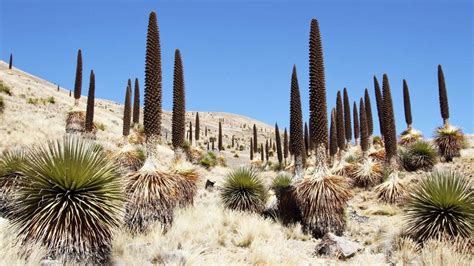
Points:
(238, 55)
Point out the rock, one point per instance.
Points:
(337, 246)
(358, 218)
(209, 184)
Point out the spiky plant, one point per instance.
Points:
(317, 90)
(306, 138)
(198, 129)
(243, 190)
(443, 97)
(10, 62)
(127, 111)
(178, 118)
(379, 102)
(368, 113)
(89, 124)
(285, 145)
(393, 190)
(449, 141)
(322, 202)
(367, 173)
(262, 153)
(220, 146)
(410, 136)
(190, 133)
(130, 159)
(441, 204)
(278, 145)
(333, 136)
(153, 192)
(407, 104)
(347, 117)
(78, 82)
(267, 151)
(288, 210)
(296, 126)
(419, 155)
(72, 201)
(341, 139)
(136, 103)
(251, 149)
(390, 134)
(75, 121)
(255, 139)
(364, 132)
(356, 123)
(11, 162)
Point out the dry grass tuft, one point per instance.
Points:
(450, 141)
(367, 173)
(410, 136)
(392, 191)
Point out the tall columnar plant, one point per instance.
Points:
(198, 128)
(364, 131)
(154, 192)
(347, 117)
(449, 139)
(390, 133)
(368, 114)
(78, 82)
(333, 136)
(262, 153)
(407, 104)
(190, 132)
(10, 63)
(379, 101)
(278, 145)
(443, 97)
(136, 104)
(296, 126)
(285, 145)
(178, 119)
(255, 139)
(251, 149)
(126, 111)
(306, 138)
(317, 90)
(356, 123)
(220, 146)
(89, 125)
(267, 151)
(341, 138)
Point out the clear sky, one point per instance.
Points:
(238, 55)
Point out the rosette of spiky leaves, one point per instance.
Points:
(378, 155)
(419, 155)
(317, 89)
(152, 197)
(130, 158)
(410, 136)
(449, 140)
(322, 201)
(189, 187)
(288, 210)
(393, 190)
(75, 122)
(441, 204)
(72, 201)
(367, 173)
(11, 162)
(243, 190)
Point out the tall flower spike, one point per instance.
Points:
(178, 118)
(407, 104)
(390, 133)
(379, 101)
(347, 117)
(296, 125)
(78, 82)
(356, 123)
(443, 97)
(136, 103)
(90, 104)
(317, 88)
(341, 140)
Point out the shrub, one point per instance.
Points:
(419, 155)
(442, 203)
(5, 89)
(281, 181)
(209, 160)
(393, 190)
(243, 190)
(10, 177)
(71, 202)
(2, 105)
(410, 136)
(130, 158)
(288, 210)
(322, 202)
(449, 141)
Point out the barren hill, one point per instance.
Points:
(36, 110)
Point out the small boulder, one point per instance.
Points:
(209, 185)
(337, 246)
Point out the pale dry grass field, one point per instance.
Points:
(206, 233)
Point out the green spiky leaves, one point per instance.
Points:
(244, 190)
(442, 203)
